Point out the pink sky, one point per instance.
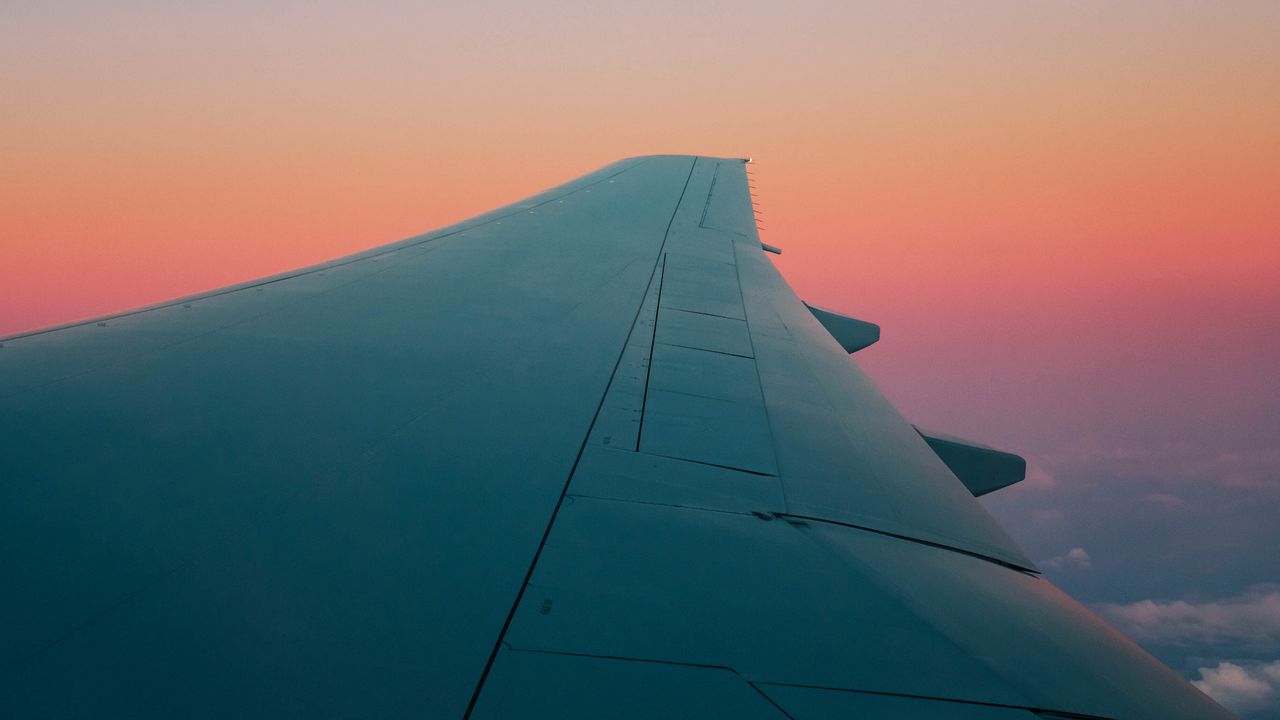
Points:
(1052, 199)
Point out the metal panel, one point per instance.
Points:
(640, 477)
(702, 303)
(806, 703)
(729, 206)
(701, 372)
(708, 281)
(702, 286)
(735, 590)
(781, 600)
(705, 332)
(719, 432)
(618, 422)
(544, 685)
(689, 240)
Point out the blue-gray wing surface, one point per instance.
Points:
(586, 455)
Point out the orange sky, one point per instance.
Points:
(991, 181)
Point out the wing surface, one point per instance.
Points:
(587, 455)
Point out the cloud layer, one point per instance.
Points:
(1074, 559)
(1244, 689)
(1250, 620)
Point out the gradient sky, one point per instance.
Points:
(1065, 216)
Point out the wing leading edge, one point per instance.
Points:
(665, 489)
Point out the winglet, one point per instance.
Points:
(851, 333)
(982, 469)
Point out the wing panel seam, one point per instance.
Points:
(497, 645)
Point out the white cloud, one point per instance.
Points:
(1073, 559)
(1252, 619)
(1240, 688)
(1167, 501)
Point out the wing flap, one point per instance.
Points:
(782, 600)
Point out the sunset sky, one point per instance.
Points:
(1064, 215)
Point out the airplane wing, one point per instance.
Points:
(584, 456)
